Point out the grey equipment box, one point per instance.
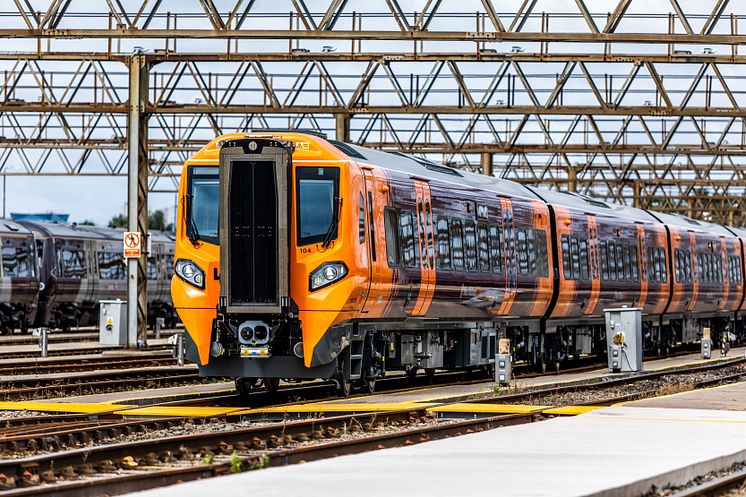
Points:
(113, 322)
(624, 339)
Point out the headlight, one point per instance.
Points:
(190, 272)
(326, 274)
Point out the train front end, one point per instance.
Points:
(263, 275)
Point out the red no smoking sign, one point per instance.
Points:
(132, 244)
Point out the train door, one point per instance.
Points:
(593, 259)
(642, 264)
(426, 240)
(89, 284)
(374, 200)
(511, 257)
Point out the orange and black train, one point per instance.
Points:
(303, 257)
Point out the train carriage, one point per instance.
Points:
(18, 283)
(80, 265)
(302, 257)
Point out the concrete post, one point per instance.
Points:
(487, 163)
(137, 196)
(342, 127)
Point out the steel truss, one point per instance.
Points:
(640, 102)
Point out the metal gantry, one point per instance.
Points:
(633, 101)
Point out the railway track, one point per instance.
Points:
(96, 382)
(721, 486)
(162, 460)
(69, 364)
(67, 337)
(34, 354)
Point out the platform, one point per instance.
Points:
(615, 451)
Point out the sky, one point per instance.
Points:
(96, 199)
(100, 198)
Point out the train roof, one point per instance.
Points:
(63, 230)
(428, 169)
(688, 223)
(432, 170)
(589, 204)
(12, 227)
(89, 232)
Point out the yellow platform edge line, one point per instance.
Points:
(178, 411)
(488, 408)
(65, 407)
(571, 410)
(348, 407)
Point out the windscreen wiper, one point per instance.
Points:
(192, 231)
(332, 225)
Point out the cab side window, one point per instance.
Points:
(391, 224)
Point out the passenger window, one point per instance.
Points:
(533, 261)
(361, 221)
(71, 261)
(390, 220)
(444, 244)
(627, 267)
(575, 252)
(111, 265)
(16, 260)
(152, 268)
(604, 261)
(470, 245)
(407, 237)
(612, 261)
(430, 237)
(584, 273)
(619, 262)
(634, 262)
(522, 252)
(566, 270)
(541, 252)
(664, 270)
(496, 248)
(457, 245)
(483, 248)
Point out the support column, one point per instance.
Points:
(572, 179)
(636, 194)
(137, 197)
(487, 163)
(342, 127)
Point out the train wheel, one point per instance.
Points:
(411, 374)
(271, 385)
(369, 386)
(344, 386)
(430, 374)
(245, 385)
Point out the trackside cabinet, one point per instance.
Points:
(112, 322)
(624, 339)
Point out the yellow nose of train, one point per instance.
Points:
(267, 268)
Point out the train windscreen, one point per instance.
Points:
(318, 189)
(204, 204)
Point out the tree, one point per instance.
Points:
(87, 222)
(156, 221)
(118, 221)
